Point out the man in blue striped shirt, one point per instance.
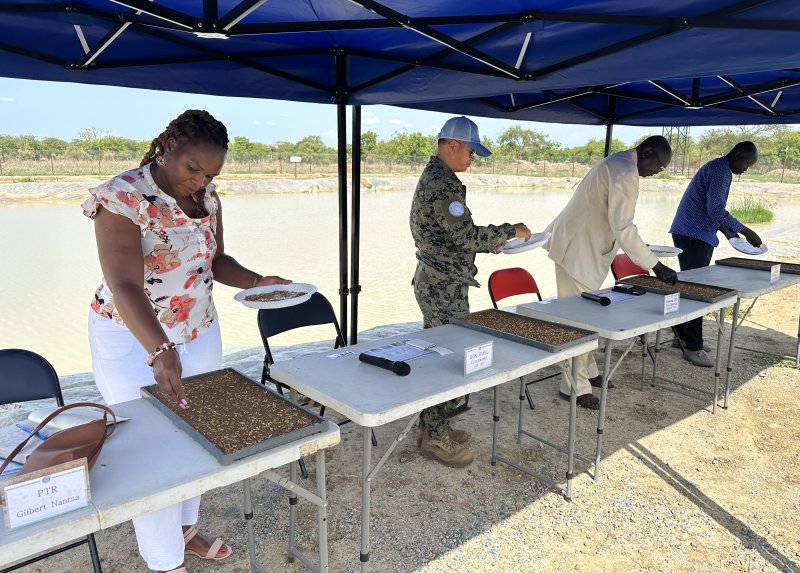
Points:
(700, 215)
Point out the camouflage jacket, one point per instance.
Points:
(442, 227)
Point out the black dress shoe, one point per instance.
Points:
(588, 401)
(597, 382)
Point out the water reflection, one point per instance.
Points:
(50, 267)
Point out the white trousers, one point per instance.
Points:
(120, 368)
(587, 367)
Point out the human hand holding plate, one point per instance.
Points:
(745, 247)
(519, 245)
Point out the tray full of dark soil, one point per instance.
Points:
(689, 290)
(760, 265)
(525, 330)
(234, 417)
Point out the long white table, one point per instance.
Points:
(750, 284)
(371, 396)
(620, 321)
(148, 464)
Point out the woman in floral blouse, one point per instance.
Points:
(160, 243)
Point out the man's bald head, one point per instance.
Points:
(653, 155)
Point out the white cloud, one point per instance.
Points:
(368, 117)
(7, 99)
(402, 123)
(270, 123)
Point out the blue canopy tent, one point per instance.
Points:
(596, 61)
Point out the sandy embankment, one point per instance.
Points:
(75, 189)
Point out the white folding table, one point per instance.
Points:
(148, 464)
(372, 397)
(627, 319)
(749, 284)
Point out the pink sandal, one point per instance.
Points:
(213, 551)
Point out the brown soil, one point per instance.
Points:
(534, 330)
(687, 289)
(681, 490)
(792, 268)
(274, 296)
(232, 412)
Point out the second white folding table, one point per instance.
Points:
(621, 321)
(372, 397)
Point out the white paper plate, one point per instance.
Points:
(305, 288)
(741, 245)
(665, 251)
(517, 245)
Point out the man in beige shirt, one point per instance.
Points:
(595, 224)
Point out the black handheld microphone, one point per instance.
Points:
(603, 300)
(398, 367)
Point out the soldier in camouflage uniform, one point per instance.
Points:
(447, 241)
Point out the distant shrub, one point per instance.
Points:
(752, 210)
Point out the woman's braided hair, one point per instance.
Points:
(192, 126)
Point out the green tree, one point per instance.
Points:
(52, 147)
(313, 145)
(520, 142)
(8, 143)
(369, 141)
(89, 143)
(404, 144)
(592, 150)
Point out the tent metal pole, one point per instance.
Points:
(612, 110)
(355, 228)
(341, 126)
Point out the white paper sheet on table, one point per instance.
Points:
(613, 295)
(398, 351)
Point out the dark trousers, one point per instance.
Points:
(696, 254)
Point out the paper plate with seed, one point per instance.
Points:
(276, 296)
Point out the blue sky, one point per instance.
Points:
(63, 110)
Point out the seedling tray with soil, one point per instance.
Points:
(234, 417)
(688, 290)
(525, 330)
(760, 265)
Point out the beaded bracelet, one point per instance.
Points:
(161, 348)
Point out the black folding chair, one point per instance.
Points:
(28, 376)
(314, 312)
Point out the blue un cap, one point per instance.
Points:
(463, 129)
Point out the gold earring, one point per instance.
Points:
(160, 160)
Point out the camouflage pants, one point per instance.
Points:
(439, 302)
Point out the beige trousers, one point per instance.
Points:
(585, 363)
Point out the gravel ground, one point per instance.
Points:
(681, 490)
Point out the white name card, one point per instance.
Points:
(774, 273)
(46, 493)
(672, 302)
(478, 357)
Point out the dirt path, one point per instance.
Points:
(682, 490)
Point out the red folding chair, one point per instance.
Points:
(622, 266)
(512, 282)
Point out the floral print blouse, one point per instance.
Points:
(178, 252)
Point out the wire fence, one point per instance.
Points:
(784, 169)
